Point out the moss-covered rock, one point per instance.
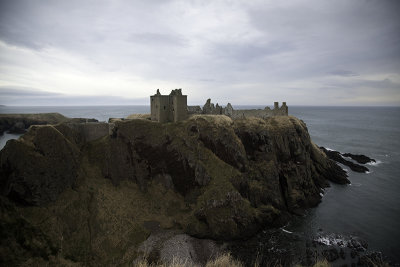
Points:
(19, 239)
(37, 168)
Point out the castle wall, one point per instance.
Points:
(153, 109)
(209, 108)
(260, 113)
(244, 113)
(172, 107)
(194, 110)
(160, 108)
(179, 107)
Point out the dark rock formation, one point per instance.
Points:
(337, 156)
(362, 159)
(331, 254)
(36, 170)
(208, 176)
(170, 246)
(19, 239)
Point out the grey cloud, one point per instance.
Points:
(32, 96)
(378, 84)
(249, 51)
(344, 73)
(73, 25)
(365, 83)
(157, 39)
(302, 41)
(339, 34)
(16, 91)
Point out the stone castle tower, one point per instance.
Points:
(168, 108)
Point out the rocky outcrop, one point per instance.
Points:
(362, 159)
(36, 169)
(19, 123)
(208, 176)
(171, 246)
(338, 157)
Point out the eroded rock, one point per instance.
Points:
(337, 156)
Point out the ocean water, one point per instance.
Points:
(368, 209)
(101, 113)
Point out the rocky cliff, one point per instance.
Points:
(209, 176)
(18, 123)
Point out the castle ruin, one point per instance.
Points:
(173, 108)
(210, 108)
(168, 108)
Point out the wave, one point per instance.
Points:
(331, 240)
(286, 231)
(378, 162)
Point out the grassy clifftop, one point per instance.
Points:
(208, 176)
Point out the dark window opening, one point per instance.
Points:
(164, 107)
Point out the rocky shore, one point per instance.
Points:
(208, 177)
(340, 158)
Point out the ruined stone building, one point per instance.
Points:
(168, 108)
(210, 108)
(173, 108)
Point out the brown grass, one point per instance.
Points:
(224, 260)
(219, 120)
(138, 116)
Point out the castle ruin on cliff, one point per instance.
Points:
(173, 108)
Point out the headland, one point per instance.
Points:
(108, 193)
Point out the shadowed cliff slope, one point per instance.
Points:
(93, 202)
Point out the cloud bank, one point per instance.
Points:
(246, 52)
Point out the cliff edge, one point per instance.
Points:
(209, 176)
(19, 123)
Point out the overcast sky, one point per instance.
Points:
(245, 52)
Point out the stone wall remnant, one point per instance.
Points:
(210, 108)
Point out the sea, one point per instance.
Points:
(368, 209)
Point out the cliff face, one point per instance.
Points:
(208, 175)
